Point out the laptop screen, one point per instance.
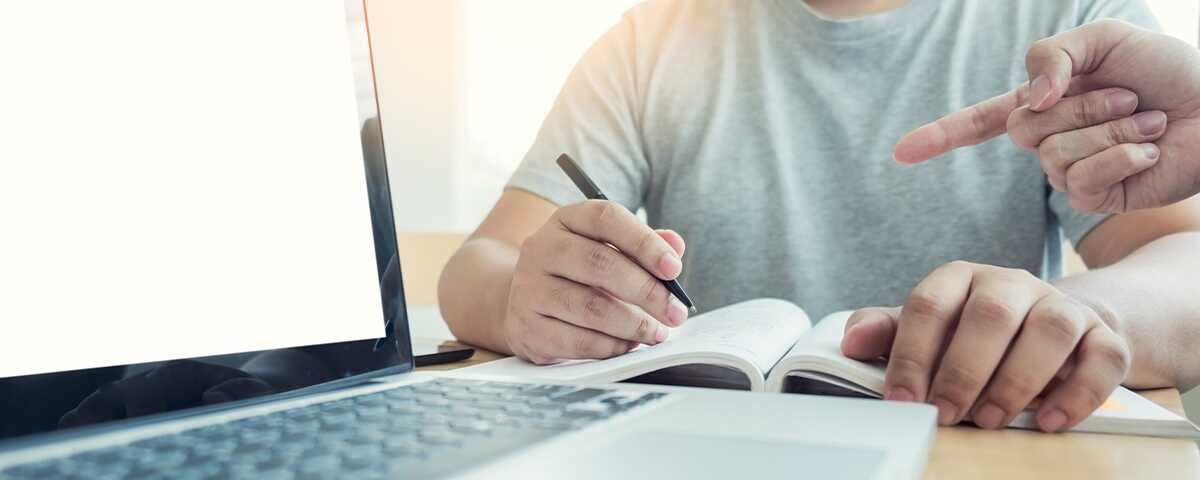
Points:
(196, 208)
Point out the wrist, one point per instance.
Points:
(1096, 304)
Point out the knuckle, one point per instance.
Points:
(561, 296)
(992, 312)
(907, 367)
(1113, 133)
(1020, 129)
(1011, 390)
(979, 123)
(643, 328)
(1113, 353)
(925, 302)
(957, 382)
(604, 213)
(1081, 111)
(1051, 153)
(531, 245)
(1023, 275)
(1059, 326)
(601, 258)
(1079, 180)
(652, 291)
(596, 309)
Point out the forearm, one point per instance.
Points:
(1152, 298)
(473, 292)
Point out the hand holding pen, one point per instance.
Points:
(592, 283)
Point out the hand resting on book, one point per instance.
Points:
(984, 341)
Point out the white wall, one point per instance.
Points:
(1180, 18)
(418, 49)
(464, 86)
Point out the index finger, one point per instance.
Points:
(970, 126)
(926, 319)
(611, 223)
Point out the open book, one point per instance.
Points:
(770, 345)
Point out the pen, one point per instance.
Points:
(591, 191)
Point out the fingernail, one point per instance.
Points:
(989, 416)
(670, 266)
(676, 312)
(1053, 421)
(661, 334)
(899, 394)
(1151, 150)
(947, 412)
(1039, 91)
(1121, 102)
(1150, 123)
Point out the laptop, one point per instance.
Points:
(201, 280)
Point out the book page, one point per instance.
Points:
(758, 332)
(820, 351)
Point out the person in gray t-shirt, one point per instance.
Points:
(762, 133)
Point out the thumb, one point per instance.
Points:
(1053, 61)
(869, 333)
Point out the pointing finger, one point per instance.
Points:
(970, 126)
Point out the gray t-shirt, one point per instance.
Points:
(763, 134)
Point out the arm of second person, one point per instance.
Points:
(1145, 267)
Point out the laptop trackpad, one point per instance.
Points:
(659, 455)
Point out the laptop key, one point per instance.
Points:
(470, 426)
(440, 437)
(320, 464)
(359, 459)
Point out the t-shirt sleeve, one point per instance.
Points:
(1076, 224)
(595, 121)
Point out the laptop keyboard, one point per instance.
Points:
(414, 431)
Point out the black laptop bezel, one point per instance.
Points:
(395, 342)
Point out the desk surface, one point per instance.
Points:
(968, 452)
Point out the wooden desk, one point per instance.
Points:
(968, 452)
